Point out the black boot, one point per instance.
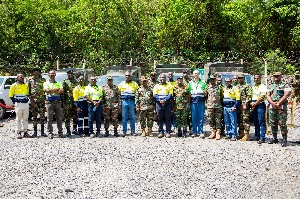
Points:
(106, 134)
(116, 132)
(184, 133)
(274, 139)
(179, 134)
(68, 132)
(284, 140)
(26, 134)
(43, 131)
(34, 135)
(75, 132)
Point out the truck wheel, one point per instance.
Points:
(2, 112)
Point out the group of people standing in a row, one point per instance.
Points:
(181, 101)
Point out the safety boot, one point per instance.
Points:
(241, 135)
(106, 134)
(143, 133)
(68, 132)
(34, 135)
(43, 131)
(133, 133)
(61, 135)
(246, 136)
(284, 140)
(19, 135)
(213, 134)
(218, 135)
(116, 132)
(75, 132)
(184, 133)
(26, 135)
(179, 133)
(274, 139)
(150, 132)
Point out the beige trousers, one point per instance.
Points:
(22, 113)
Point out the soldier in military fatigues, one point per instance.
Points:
(145, 105)
(213, 94)
(68, 102)
(111, 105)
(186, 81)
(181, 106)
(37, 99)
(277, 95)
(243, 112)
(152, 80)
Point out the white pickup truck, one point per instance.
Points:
(5, 84)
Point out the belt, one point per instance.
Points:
(229, 105)
(51, 101)
(128, 99)
(22, 102)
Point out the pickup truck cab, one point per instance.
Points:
(5, 84)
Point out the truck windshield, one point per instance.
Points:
(102, 80)
(1, 81)
(248, 78)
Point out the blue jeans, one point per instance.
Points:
(163, 113)
(260, 121)
(128, 106)
(94, 114)
(197, 110)
(174, 121)
(230, 120)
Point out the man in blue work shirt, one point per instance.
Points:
(53, 103)
(18, 94)
(127, 89)
(197, 87)
(163, 94)
(231, 100)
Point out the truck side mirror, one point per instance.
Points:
(7, 86)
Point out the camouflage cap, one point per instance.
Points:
(180, 77)
(241, 75)
(277, 73)
(213, 76)
(109, 77)
(143, 78)
(153, 73)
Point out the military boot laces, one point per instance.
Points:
(68, 132)
(116, 132)
(43, 131)
(284, 140)
(179, 133)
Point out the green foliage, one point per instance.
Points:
(101, 33)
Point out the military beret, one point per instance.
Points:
(277, 73)
(70, 71)
(213, 76)
(109, 77)
(241, 75)
(36, 69)
(143, 78)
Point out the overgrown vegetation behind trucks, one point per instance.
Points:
(177, 69)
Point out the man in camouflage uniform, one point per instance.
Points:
(243, 111)
(152, 80)
(37, 99)
(213, 94)
(111, 105)
(277, 95)
(173, 117)
(68, 102)
(144, 101)
(186, 81)
(181, 106)
(219, 83)
(296, 88)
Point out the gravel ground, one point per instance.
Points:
(136, 167)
